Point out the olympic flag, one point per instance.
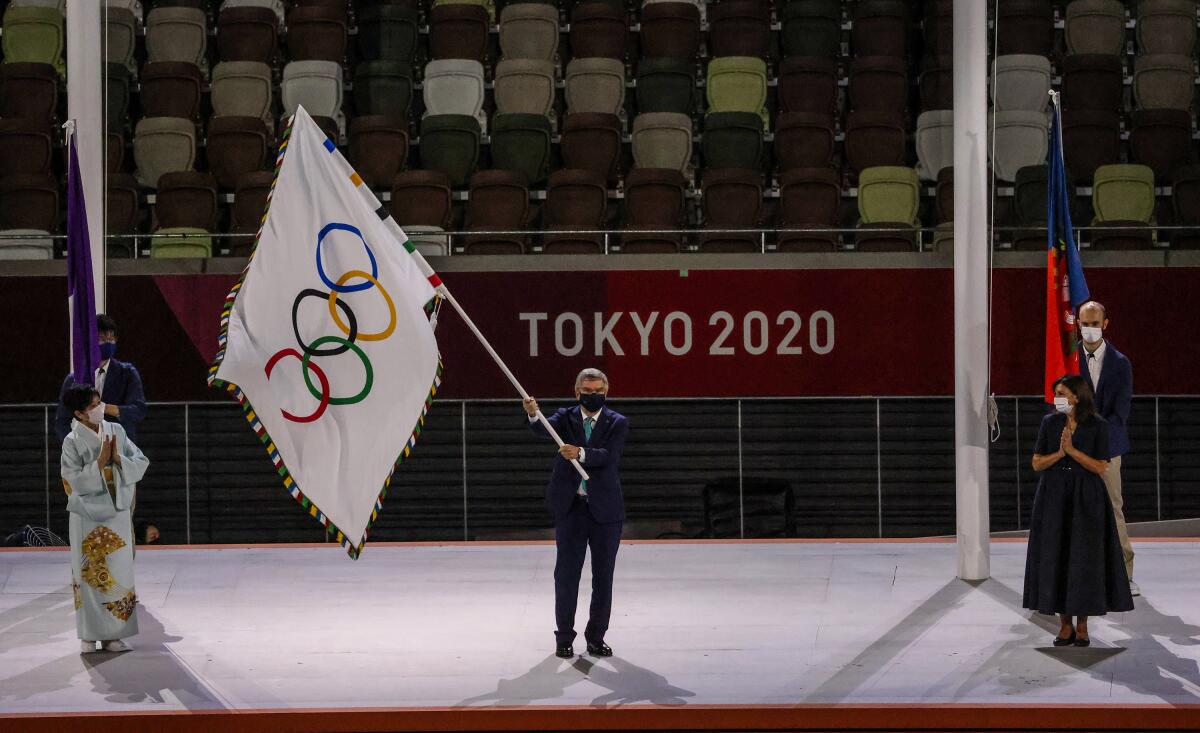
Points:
(326, 339)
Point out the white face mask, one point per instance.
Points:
(1091, 334)
(96, 415)
(1061, 404)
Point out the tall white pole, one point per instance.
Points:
(85, 105)
(971, 281)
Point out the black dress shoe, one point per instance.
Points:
(1069, 641)
(565, 652)
(599, 650)
(1083, 642)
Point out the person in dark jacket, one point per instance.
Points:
(118, 382)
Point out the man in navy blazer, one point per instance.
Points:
(1110, 375)
(118, 382)
(586, 513)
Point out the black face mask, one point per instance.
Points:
(591, 401)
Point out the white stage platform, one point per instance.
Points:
(787, 633)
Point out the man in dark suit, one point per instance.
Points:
(586, 513)
(118, 382)
(1110, 375)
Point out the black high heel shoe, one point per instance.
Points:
(1069, 641)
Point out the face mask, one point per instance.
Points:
(107, 349)
(1061, 404)
(1091, 334)
(591, 401)
(96, 415)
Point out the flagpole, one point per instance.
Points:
(444, 292)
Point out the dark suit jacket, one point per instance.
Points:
(1113, 395)
(123, 388)
(602, 458)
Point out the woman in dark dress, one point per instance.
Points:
(1074, 567)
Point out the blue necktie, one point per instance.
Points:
(588, 423)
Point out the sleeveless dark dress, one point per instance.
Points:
(1074, 564)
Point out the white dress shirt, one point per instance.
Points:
(1095, 362)
(582, 416)
(101, 373)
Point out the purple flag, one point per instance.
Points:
(81, 296)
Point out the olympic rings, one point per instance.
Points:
(323, 395)
(351, 329)
(370, 373)
(335, 227)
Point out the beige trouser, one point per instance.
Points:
(1112, 480)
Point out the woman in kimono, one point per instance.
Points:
(1074, 567)
(100, 470)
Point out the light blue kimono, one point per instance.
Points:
(101, 531)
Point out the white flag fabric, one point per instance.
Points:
(326, 339)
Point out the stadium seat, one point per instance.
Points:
(598, 31)
(738, 84)
(943, 235)
(731, 199)
(237, 146)
(575, 199)
(116, 96)
(733, 140)
(1025, 27)
(1164, 82)
(177, 34)
(330, 127)
(275, 6)
(1166, 27)
(163, 145)
(1185, 200)
(1092, 81)
(459, 31)
(937, 83)
(740, 28)
(1021, 82)
(1022, 138)
(1162, 140)
(804, 140)
(592, 142)
(383, 87)
(808, 84)
(878, 83)
(597, 85)
(499, 200)
(938, 30)
(450, 143)
(421, 205)
(888, 198)
(247, 34)
(181, 243)
(525, 86)
(666, 84)
(25, 147)
(1090, 139)
(875, 139)
(935, 143)
(521, 143)
(1123, 196)
(317, 85)
(35, 35)
(29, 201)
(316, 33)
(529, 30)
(1029, 208)
(812, 28)
(809, 198)
(26, 244)
(670, 30)
(114, 153)
(455, 87)
(662, 140)
(489, 6)
(186, 199)
(388, 32)
(29, 91)
(120, 41)
(172, 89)
(654, 199)
(1095, 26)
(880, 28)
(249, 204)
(122, 214)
